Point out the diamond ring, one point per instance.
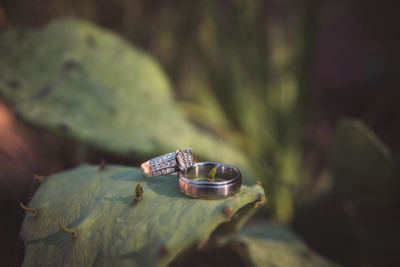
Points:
(168, 163)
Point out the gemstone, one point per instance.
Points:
(185, 158)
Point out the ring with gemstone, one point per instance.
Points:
(168, 163)
(193, 181)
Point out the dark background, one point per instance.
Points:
(342, 55)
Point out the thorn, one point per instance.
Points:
(258, 182)
(163, 250)
(102, 165)
(228, 211)
(201, 245)
(34, 211)
(255, 205)
(63, 228)
(138, 194)
(236, 196)
(38, 178)
(261, 197)
(138, 191)
(211, 174)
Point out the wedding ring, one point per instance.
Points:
(192, 181)
(168, 163)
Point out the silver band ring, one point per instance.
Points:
(168, 163)
(227, 181)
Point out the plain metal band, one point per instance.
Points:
(210, 190)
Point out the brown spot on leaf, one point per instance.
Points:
(102, 165)
(91, 41)
(201, 245)
(14, 84)
(38, 178)
(228, 211)
(70, 64)
(163, 250)
(44, 92)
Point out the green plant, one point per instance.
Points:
(85, 218)
(360, 210)
(269, 244)
(88, 84)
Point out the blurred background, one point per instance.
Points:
(271, 78)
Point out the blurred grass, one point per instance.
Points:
(236, 67)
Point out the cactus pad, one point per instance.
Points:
(362, 167)
(258, 244)
(87, 83)
(273, 245)
(97, 203)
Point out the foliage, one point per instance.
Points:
(273, 245)
(238, 72)
(356, 222)
(257, 244)
(90, 85)
(112, 227)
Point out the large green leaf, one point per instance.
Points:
(356, 222)
(87, 83)
(274, 245)
(111, 231)
(361, 165)
(259, 244)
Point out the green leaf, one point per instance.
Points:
(88, 84)
(273, 245)
(259, 244)
(359, 213)
(112, 232)
(361, 166)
